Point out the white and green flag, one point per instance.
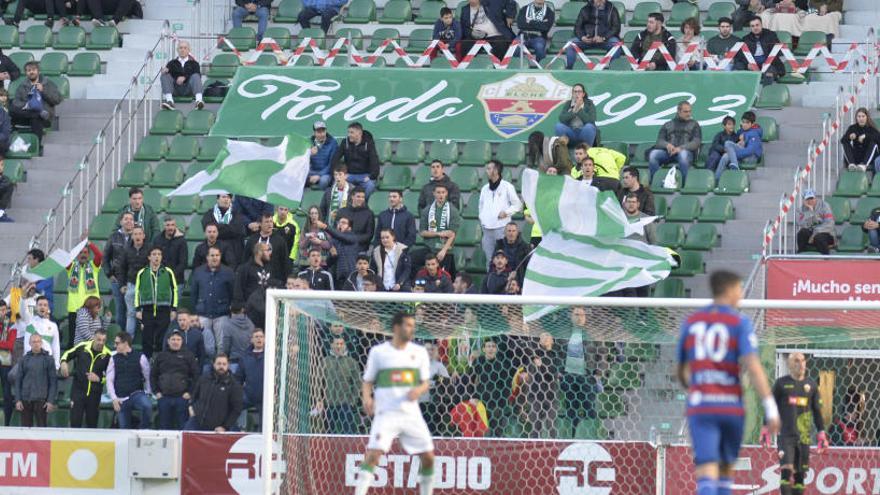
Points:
(584, 250)
(274, 174)
(57, 262)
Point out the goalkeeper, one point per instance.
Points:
(798, 399)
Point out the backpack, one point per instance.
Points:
(216, 89)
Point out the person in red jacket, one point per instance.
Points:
(7, 342)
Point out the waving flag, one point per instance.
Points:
(57, 262)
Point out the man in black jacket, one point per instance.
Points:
(317, 277)
(90, 359)
(212, 234)
(217, 400)
(279, 264)
(630, 183)
(655, 32)
(173, 246)
(254, 274)
(181, 77)
(135, 257)
(362, 218)
(398, 219)
(760, 42)
(534, 22)
(488, 20)
(231, 226)
(515, 248)
(438, 176)
(114, 253)
(172, 376)
(597, 26)
(358, 152)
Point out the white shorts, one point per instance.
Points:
(411, 429)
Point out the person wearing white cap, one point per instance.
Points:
(323, 148)
(815, 224)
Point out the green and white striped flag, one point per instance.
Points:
(584, 250)
(56, 263)
(274, 174)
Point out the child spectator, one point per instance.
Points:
(748, 145)
(716, 149)
(448, 30)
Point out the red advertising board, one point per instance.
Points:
(839, 471)
(25, 462)
(325, 465)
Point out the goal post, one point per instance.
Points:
(584, 396)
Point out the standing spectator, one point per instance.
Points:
(497, 278)
(36, 385)
(717, 148)
(516, 249)
(90, 359)
(287, 227)
(237, 331)
(279, 264)
(128, 384)
(540, 383)
(252, 211)
(173, 246)
(254, 274)
(630, 183)
(448, 30)
(438, 176)
(82, 282)
(342, 382)
(114, 253)
(39, 324)
(181, 76)
(760, 42)
(344, 250)
(597, 26)
(361, 217)
(585, 362)
(872, 228)
(391, 263)
(585, 170)
(216, 400)
(211, 290)
(355, 281)
(323, 148)
(398, 219)
(326, 9)
(489, 21)
(577, 121)
(5, 119)
(654, 32)
(535, 21)
(435, 277)
(861, 143)
(46, 286)
(7, 187)
(678, 141)
(35, 100)
(490, 379)
(434, 402)
(259, 8)
(135, 258)
(172, 375)
(192, 336)
(8, 335)
(498, 203)
(144, 215)
(339, 194)
(212, 234)
(250, 372)
(747, 147)
(231, 225)
(315, 236)
(439, 223)
(720, 44)
(318, 278)
(632, 209)
(358, 152)
(815, 224)
(155, 300)
(608, 164)
(89, 320)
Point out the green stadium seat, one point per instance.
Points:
(288, 11)
(33, 145)
(691, 264)
(380, 35)
(569, 13)
(279, 34)
(590, 429)
(863, 210)
(621, 11)
(242, 38)
(135, 174)
(682, 11)
(770, 128)
(733, 183)
(103, 38)
(419, 39)
(641, 11)
(411, 200)
(874, 191)
(167, 175)
(377, 202)
(184, 205)
(429, 12)
(63, 85)
(670, 287)
(852, 184)
(718, 10)
(657, 183)
(312, 197)
(475, 153)
(360, 12)
(409, 152)
(116, 199)
(8, 37)
(807, 40)
(183, 149)
(396, 12)
(70, 38)
(155, 198)
(622, 148)
(53, 64)
(840, 208)
(660, 205)
(683, 209)
(37, 37)
(195, 231)
(620, 64)
(223, 66)
(21, 58)
(168, 122)
(198, 122)
(267, 60)
(716, 209)
(208, 83)
(85, 64)
(102, 226)
(670, 235)
(398, 177)
(354, 35)
(442, 63)
(699, 181)
(852, 240)
(14, 170)
(196, 167)
(775, 96)
(477, 262)
(511, 154)
(481, 62)
(151, 149)
(701, 237)
(469, 234)
(445, 151)
(210, 147)
(383, 149)
(467, 178)
(421, 177)
(630, 36)
(559, 38)
(624, 376)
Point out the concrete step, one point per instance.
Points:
(868, 17)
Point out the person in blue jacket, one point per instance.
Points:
(488, 20)
(323, 148)
(448, 30)
(252, 210)
(747, 147)
(716, 149)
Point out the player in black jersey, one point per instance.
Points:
(798, 400)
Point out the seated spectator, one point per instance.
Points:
(279, 264)
(155, 301)
(577, 121)
(498, 203)
(89, 320)
(747, 147)
(489, 21)
(822, 15)
(6, 190)
(597, 26)
(217, 400)
(254, 274)
(231, 226)
(760, 42)
(144, 214)
(89, 359)
(749, 9)
(448, 30)
(391, 263)
(815, 224)
(436, 278)
(136, 257)
(259, 8)
(585, 170)
(5, 119)
(497, 278)
(338, 195)
(361, 218)
(342, 381)
(608, 164)
(181, 76)
(315, 275)
(545, 152)
(438, 176)
(717, 148)
(128, 384)
(398, 219)
(212, 240)
(35, 7)
(358, 152)
(356, 280)
(630, 183)
(720, 44)
(8, 72)
(237, 332)
(344, 250)
(872, 228)
(174, 250)
(535, 20)
(690, 33)
(515, 248)
(861, 143)
(323, 148)
(315, 236)
(653, 33)
(439, 223)
(326, 9)
(173, 374)
(120, 9)
(193, 338)
(250, 372)
(36, 384)
(678, 141)
(784, 16)
(372, 282)
(211, 289)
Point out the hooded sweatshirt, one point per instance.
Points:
(360, 158)
(362, 223)
(237, 331)
(752, 142)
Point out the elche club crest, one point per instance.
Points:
(521, 102)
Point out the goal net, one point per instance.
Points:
(581, 401)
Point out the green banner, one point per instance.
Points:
(463, 105)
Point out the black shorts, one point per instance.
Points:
(795, 453)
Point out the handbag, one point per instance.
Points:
(670, 182)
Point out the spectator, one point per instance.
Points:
(252, 275)
(45, 286)
(655, 32)
(252, 211)
(114, 254)
(259, 8)
(438, 176)
(760, 42)
(497, 278)
(463, 284)
(41, 324)
(36, 385)
(815, 224)
(870, 227)
(155, 300)
(8, 336)
(193, 338)
(250, 371)
(315, 236)
(631, 183)
(490, 379)
(489, 21)
(236, 331)
(128, 384)
(584, 365)
(144, 215)
(861, 143)
(7, 187)
(391, 263)
(398, 219)
(597, 26)
(577, 121)
(541, 384)
(748, 145)
(35, 100)
(822, 15)
(82, 282)
(231, 225)
(717, 148)
(607, 164)
(217, 400)
(342, 381)
(535, 21)
(339, 194)
(433, 402)
(585, 170)
(323, 148)
(848, 429)
(121, 9)
(344, 250)
(545, 153)
(632, 208)
(358, 152)
(723, 42)
(690, 34)
(749, 9)
(436, 278)
(136, 257)
(318, 278)
(211, 289)
(173, 246)
(678, 141)
(90, 359)
(279, 264)
(287, 227)
(448, 30)
(372, 282)
(173, 375)
(515, 248)
(8, 72)
(182, 76)
(439, 223)
(356, 280)
(5, 119)
(361, 217)
(212, 234)
(89, 320)
(498, 203)
(326, 9)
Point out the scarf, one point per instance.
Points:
(15, 308)
(494, 185)
(81, 272)
(222, 218)
(438, 224)
(138, 215)
(338, 199)
(533, 15)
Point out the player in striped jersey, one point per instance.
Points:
(715, 341)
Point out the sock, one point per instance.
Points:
(724, 486)
(168, 97)
(364, 479)
(797, 488)
(426, 482)
(785, 482)
(198, 97)
(707, 486)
